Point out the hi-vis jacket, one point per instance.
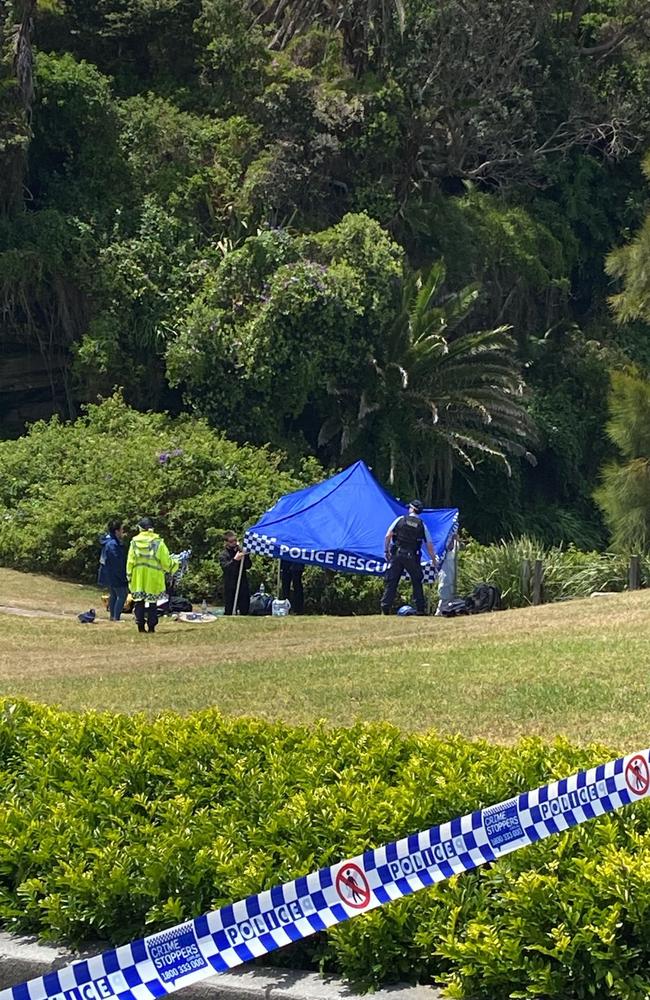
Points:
(146, 565)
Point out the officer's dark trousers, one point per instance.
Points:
(292, 589)
(411, 564)
(244, 599)
(150, 613)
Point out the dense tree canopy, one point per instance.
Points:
(369, 230)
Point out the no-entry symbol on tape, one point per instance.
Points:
(637, 775)
(352, 886)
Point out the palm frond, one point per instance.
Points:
(449, 400)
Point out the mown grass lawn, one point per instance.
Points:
(579, 668)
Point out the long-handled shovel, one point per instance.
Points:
(241, 572)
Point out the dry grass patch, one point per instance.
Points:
(45, 593)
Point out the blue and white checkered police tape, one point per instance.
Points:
(225, 938)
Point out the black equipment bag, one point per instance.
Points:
(456, 606)
(177, 604)
(484, 597)
(261, 604)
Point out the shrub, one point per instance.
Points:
(116, 826)
(61, 483)
(342, 593)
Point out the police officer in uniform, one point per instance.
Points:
(403, 544)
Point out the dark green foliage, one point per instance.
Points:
(521, 261)
(134, 41)
(569, 377)
(232, 54)
(116, 826)
(44, 271)
(281, 319)
(75, 159)
(142, 282)
(192, 165)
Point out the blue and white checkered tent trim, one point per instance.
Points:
(255, 926)
(259, 545)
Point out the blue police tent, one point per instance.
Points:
(340, 524)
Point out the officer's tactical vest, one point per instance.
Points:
(409, 533)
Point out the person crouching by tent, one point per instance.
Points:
(112, 569)
(403, 544)
(146, 565)
(230, 559)
(292, 590)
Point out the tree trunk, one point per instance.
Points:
(428, 493)
(391, 471)
(16, 96)
(441, 472)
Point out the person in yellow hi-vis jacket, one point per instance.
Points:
(146, 565)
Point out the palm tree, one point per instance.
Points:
(436, 399)
(362, 26)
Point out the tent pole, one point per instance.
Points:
(241, 573)
(278, 583)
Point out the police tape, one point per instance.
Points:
(253, 927)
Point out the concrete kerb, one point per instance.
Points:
(23, 958)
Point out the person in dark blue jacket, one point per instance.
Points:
(112, 569)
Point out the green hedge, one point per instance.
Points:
(116, 826)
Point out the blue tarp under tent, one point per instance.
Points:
(340, 524)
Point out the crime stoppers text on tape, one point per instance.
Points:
(221, 940)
